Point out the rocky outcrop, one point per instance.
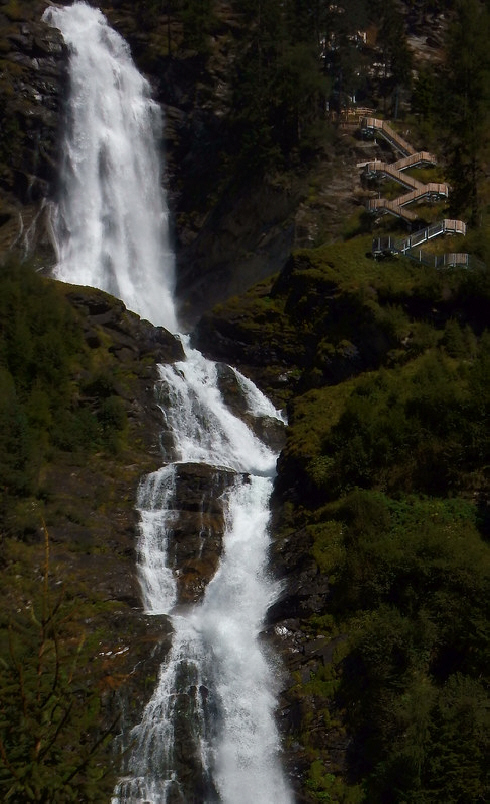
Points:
(133, 338)
(94, 501)
(89, 506)
(32, 76)
(197, 527)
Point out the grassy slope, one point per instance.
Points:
(384, 486)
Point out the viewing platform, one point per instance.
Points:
(410, 246)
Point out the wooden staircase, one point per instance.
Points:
(371, 126)
(418, 191)
(410, 246)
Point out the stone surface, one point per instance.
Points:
(197, 533)
(90, 505)
(32, 77)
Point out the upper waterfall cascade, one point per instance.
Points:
(208, 733)
(111, 221)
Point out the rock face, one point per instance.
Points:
(229, 232)
(90, 507)
(218, 253)
(32, 76)
(197, 531)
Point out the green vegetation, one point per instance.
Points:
(411, 589)
(392, 483)
(71, 456)
(465, 107)
(52, 746)
(420, 428)
(52, 394)
(286, 64)
(384, 484)
(278, 89)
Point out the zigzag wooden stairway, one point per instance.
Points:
(410, 246)
(418, 191)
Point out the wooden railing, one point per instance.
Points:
(413, 160)
(372, 124)
(389, 169)
(405, 162)
(410, 246)
(432, 190)
(382, 204)
(419, 190)
(394, 170)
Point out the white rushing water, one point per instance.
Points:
(208, 734)
(216, 652)
(111, 221)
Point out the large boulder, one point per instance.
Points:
(198, 527)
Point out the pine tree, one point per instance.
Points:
(466, 110)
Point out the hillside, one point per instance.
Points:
(381, 508)
(381, 518)
(251, 170)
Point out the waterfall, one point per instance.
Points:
(217, 672)
(208, 733)
(111, 222)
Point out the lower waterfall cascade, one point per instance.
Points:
(208, 734)
(217, 672)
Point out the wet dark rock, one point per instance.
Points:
(194, 786)
(306, 589)
(127, 330)
(195, 544)
(31, 90)
(230, 390)
(269, 429)
(32, 86)
(130, 663)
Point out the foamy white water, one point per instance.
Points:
(155, 496)
(245, 759)
(111, 220)
(208, 734)
(205, 430)
(234, 745)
